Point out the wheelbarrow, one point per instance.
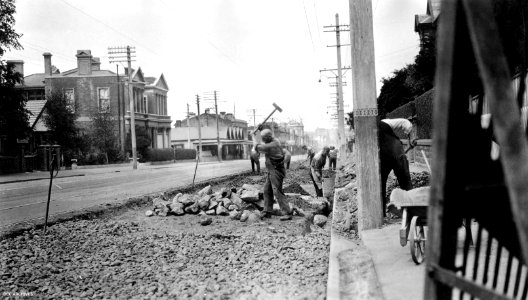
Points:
(413, 229)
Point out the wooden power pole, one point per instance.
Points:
(365, 115)
(122, 54)
(199, 129)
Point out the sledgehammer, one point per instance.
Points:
(274, 110)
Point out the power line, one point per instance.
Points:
(317, 22)
(105, 24)
(308, 24)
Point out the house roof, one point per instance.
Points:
(35, 107)
(430, 17)
(95, 73)
(150, 80)
(34, 80)
(433, 8)
(159, 83)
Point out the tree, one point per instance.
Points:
(104, 134)
(14, 117)
(8, 36)
(60, 118)
(395, 91)
(143, 141)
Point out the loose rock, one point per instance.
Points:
(203, 203)
(211, 212)
(213, 204)
(235, 215)
(149, 213)
(236, 200)
(208, 190)
(253, 217)
(177, 208)
(250, 196)
(204, 221)
(320, 220)
(221, 211)
(245, 215)
(193, 209)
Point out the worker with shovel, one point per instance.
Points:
(275, 175)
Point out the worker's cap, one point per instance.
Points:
(326, 149)
(266, 133)
(332, 147)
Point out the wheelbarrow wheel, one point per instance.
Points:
(417, 241)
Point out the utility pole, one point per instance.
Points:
(199, 130)
(116, 54)
(188, 129)
(120, 114)
(218, 147)
(365, 115)
(340, 111)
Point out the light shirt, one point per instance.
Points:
(333, 153)
(399, 124)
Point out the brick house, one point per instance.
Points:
(91, 89)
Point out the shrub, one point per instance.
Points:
(170, 154)
(405, 111)
(92, 159)
(424, 114)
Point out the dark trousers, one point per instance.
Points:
(392, 158)
(253, 163)
(273, 186)
(332, 163)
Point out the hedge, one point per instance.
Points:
(9, 164)
(170, 154)
(422, 108)
(404, 111)
(424, 114)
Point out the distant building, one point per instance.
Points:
(233, 135)
(291, 134)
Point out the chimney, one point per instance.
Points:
(18, 66)
(84, 62)
(47, 63)
(96, 64)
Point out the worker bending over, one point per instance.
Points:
(392, 154)
(316, 170)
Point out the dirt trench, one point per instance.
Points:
(127, 255)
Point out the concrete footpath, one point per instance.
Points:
(399, 277)
(376, 266)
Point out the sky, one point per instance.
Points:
(254, 53)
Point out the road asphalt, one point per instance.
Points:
(23, 196)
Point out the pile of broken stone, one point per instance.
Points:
(242, 204)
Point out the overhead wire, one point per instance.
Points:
(112, 28)
(308, 24)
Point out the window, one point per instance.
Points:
(70, 95)
(36, 94)
(145, 102)
(104, 99)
